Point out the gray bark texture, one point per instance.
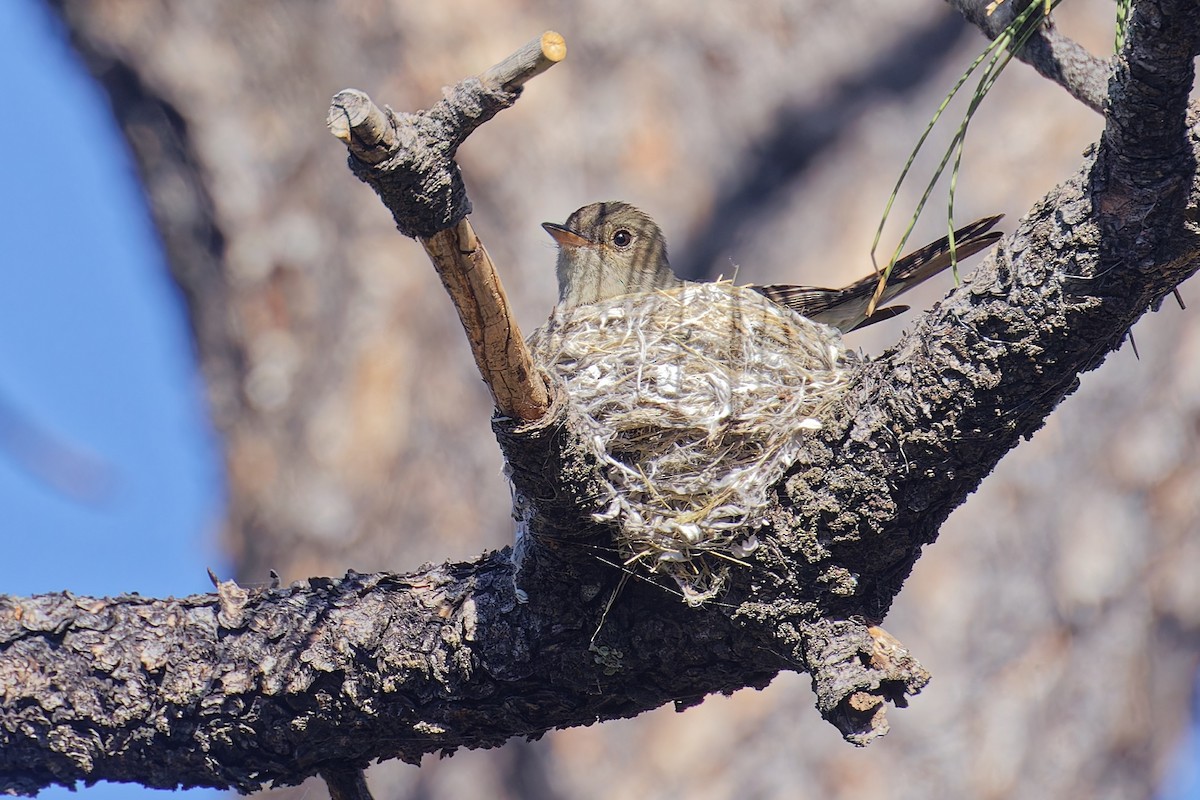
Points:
(1060, 610)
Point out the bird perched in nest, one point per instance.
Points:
(611, 249)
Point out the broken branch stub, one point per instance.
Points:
(408, 159)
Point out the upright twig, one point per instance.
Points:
(409, 160)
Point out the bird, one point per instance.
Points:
(611, 249)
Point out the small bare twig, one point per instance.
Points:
(530, 61)
(499, 348)
(409, 160)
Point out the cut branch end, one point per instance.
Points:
(530, 61)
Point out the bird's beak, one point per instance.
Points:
(564, 235)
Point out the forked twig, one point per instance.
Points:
(409, 160)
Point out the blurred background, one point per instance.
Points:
(216, 351)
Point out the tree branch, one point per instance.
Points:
(246, 687)
(408, 159)
(346, 784)
(1146, 162)
(1053, 55)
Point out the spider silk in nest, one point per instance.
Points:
(695, 401)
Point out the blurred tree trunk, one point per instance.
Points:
(350, 408)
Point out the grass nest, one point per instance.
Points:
(695, 401)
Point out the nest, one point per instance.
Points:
(695, 401)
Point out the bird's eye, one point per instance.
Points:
(622, 238)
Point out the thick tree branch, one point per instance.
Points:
(247, 687)
(985, 368)
(1146, 164)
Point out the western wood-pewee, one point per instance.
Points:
(610, 249)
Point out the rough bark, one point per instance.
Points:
(243, 687)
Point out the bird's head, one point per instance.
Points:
(606, 250)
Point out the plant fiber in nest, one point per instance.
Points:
(695, 401)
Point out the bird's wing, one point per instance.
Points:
(927, 261)
(845, 308)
